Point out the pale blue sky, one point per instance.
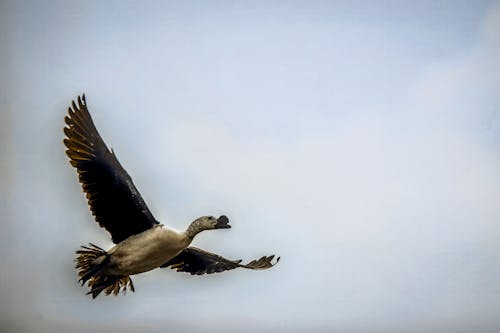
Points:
(359, 140)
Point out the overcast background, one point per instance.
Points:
(358, 140)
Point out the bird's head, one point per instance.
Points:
(216, 223)
(208, 223)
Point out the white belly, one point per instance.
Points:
(146, 251)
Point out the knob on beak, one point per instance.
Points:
(222, 222)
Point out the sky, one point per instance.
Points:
(358, 140)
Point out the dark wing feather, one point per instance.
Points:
(113, 199)
(197, 261)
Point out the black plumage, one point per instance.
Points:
(198, 262)
(113, 199)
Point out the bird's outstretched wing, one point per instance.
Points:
(197, 261)
(113, 199)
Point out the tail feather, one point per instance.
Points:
(91, 259)
(109, 284)
(90, 262)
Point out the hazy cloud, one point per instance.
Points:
(333, 136)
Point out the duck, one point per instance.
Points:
(141, 242)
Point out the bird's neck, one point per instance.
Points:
(196, 227)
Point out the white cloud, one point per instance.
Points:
(465, 89)
(377, 214)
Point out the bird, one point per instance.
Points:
(141, 242)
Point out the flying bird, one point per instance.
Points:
(141, 242)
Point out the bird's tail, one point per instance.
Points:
(90, 262)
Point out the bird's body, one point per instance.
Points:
(146, 251)
(142, 243)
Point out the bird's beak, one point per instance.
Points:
(222, 223)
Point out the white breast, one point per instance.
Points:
(146, 251)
